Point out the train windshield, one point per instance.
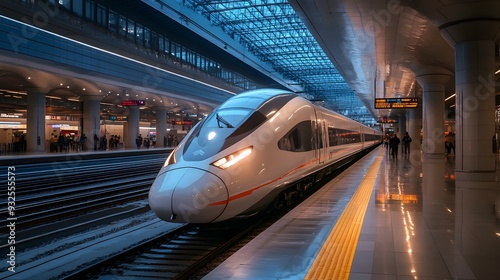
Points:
(211, 135)
(227, 118)
(231, 122)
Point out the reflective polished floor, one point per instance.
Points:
(413, 228)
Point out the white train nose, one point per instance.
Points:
(188, 195)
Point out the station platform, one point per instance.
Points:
(382, 218)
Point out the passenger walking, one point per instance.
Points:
(81, 143)
(103, 143)
(451, 143)
(406, 143)
(394, 145)
(61, 141)
(170, 140)
(138, 141)
(387, 138)
(96, 141)
(447, 143)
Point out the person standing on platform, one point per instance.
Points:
(394, 146)
(447, 143)
(138, 141)
(81, 143)
(406, 143)
(96, 141)
(61, 141)
(451, 142)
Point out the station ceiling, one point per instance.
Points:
(272, 31)
(346, 52)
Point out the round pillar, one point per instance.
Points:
(402, 124)
(161, 126)
(91, 124)
(35, 122)
(132, 127)
(433, 84)
(476, 183)
(415, 127)
(475, 102)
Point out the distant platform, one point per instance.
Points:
(27, 158)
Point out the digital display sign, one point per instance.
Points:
(117, 118)
(396, 103)
(181, 122)
(133, 102)
(387, 120)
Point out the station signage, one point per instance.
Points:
(4, 115)
(117, 118)
(181, 122)
(133, 102)
(387, 120)
(396, 103)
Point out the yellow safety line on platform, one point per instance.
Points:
(335, 258)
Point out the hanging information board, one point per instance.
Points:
(396, 103)
(133, 102)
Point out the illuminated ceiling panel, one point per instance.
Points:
(272, 31)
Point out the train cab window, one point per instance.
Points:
(227, 118)
(298, 139)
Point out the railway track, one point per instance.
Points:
(178, 254)
(183, 253)
(46, 209)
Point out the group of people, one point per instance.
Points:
(145, 142)
(67, 143)
(391, 143)
(102, 143)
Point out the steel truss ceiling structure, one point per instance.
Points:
(272, 31)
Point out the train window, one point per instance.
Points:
(122, 26)
(244, 102)
(101, 15)
(227, 118)
(78, 7)
(298, 139)
(112, 21)
(131, 29)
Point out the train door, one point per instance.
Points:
(321, 138)
(362, 137)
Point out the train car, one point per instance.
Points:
(248, 151)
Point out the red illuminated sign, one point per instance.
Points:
(133, 102)
(181, 123)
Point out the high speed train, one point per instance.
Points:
(256, 148)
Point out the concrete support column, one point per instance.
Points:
(132, 127)
(401, 130)
(35, 121)
(433, 84)
(475, 66)
(402, 125)
(91, 125)
(415, 127)
(476, 182)
(161, 126)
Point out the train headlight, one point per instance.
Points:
(233, 158)
(171, 158)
